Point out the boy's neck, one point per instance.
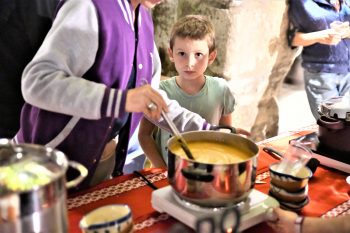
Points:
(191, 87)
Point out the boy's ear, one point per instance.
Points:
(212, 57)
(170, 53)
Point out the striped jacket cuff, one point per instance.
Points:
(113, 103)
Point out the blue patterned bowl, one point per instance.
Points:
(109, 218)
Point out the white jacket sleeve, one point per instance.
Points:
(184, 119)
(53, 79)
(157, 68)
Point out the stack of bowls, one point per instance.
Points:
(290, 190)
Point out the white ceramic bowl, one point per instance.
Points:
(109, 218)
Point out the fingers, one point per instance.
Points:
(243, 132)
(280, 220)
(147, 100)
(285, 214)
(158, 100)
(333, 38)
(153, 111)
(156, 105)
(329, 37)
(271, 215)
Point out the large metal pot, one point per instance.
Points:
(213, 185)
(33, 188)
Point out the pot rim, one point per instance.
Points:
(254, 154)
(56, 157)
(294, 178)
(96, 226)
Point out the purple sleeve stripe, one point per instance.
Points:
(206, 126)
(114, 101)
(121, 102)
(105, 102)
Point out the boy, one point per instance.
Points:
(192, 49)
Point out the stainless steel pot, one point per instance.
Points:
(33, 188)
(213, 185)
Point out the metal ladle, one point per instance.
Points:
(152, 106)
(178, 136)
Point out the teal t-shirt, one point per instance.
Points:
(211, 102)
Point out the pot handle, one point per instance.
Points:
(193, 174)
(330, 123)
(83, 173)
(7, 151)
(218, 127)
(274, 153)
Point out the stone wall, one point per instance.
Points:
(253, 54)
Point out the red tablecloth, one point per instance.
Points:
(328, 193)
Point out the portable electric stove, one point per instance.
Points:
(252, 211)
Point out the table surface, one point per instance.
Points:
(328, 192)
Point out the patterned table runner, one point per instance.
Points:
(328, 191)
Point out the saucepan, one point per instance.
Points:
(33, 188)
(208, 181)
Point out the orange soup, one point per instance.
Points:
(213, 152)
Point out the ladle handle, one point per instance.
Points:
(330, 123)
(171, 125)
(274, 153)
(7, 152)
(218, 127)
(178, 136)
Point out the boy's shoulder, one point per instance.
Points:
(216, 81)
(166, 83)
(215, 78)
(168, 80)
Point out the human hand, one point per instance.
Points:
(140, 98)
(329, 37)
(341, 27)
(281, 221)
(243, 132)
(346, 34)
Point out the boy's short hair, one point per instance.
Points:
(195, 27)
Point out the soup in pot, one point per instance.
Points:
(212, 152)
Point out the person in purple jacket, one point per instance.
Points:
(322, 28)
(90, 81)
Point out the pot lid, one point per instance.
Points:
(336, 107)
(25, 167)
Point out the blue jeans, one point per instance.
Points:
(320, 86)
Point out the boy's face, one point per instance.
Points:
(191, 57)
